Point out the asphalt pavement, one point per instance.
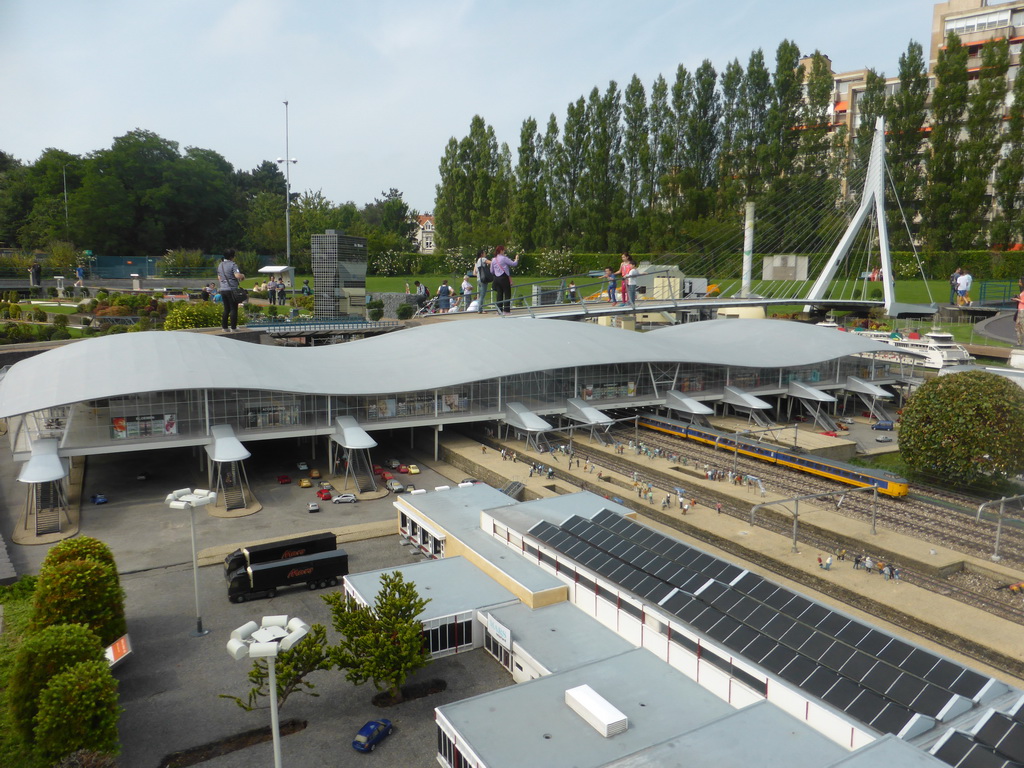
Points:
(171, 684)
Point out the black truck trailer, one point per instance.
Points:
(279, 550)
(316, 571)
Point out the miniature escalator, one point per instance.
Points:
(755, 415)
(875, 407)
(512, 489)
(821, 416)
(231, 484)
(362, 471)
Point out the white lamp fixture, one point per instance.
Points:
(186, 498)
(265, 641)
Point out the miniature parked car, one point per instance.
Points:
(393, 463)
(345, 498)
(315, 474)
(403, 469)
(302, 466)
(409, 488)
(378, 469)
(883, 439)
(325, 485)
(386, 476)
(323, 494)
(846, 420)
(472, 480)
(312, 507)
(394, 486)
(830, 433)
(372, 734)
(99, 498)
(283, 479)
(305, 482)
(886, 426)
(413, 469)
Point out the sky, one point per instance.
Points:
(376, 88)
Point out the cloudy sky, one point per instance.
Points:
(377, 87)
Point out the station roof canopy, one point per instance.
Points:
(410, 360)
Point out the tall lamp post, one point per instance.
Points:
(186, 498)
(287, 162)
(264, 641)
(67, 226)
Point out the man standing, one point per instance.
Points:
(963, 285)
(482, 272)
(272, 291)
(80, 274)
(953, 286)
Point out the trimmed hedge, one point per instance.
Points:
(80, 592)
(78, 710)
(41, 656)
(80, 548)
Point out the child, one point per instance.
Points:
(612, 282)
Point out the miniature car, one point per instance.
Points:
(345, 498)
(386, 476)
(883, 439)
(409, 488)
(413, 469)
(830, 433)
(312, 507)
(846, 420)
(302, 466)
(315, 474)
(472, 480)
(325, 485)
(392, 463)
(323, 494)
(403, 469)
(378, 469)
(394, 486)
(283, 479)
(99, 498)
(372, 734)
(886, 425)
(305, 482)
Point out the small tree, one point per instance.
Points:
(78, 710)
(965, 427)
(80, 592)
(309, 655)
(80, 548)
(383, 643)
(42, 656)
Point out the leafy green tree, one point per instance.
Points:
(964, 427)
(311, 654)
(730, 190)
(80, 548)
(383, 643)
(529, 203)
(602, 181)
(78, 709)
(41, 656)
(905, 114)
(575, 141)
(636, 154)
(982, 144)
(551, 160)
(941, 210)
(1009, 183)
(752, 135)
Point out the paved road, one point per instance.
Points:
(170, 687)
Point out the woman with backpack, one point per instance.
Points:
(482, 273)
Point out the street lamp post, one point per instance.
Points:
(264, 641)
(287, 162)
(67, 226)
(185, 498)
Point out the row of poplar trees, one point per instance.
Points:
(670, 170)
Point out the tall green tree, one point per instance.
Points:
(1008, 227)
(382, 643)
(529, 207)
(575, 143)
(701, 132)
(982, 143)
(943, 217)
(752, 135)
(730, 189)
(602, 186)
(636, 153)
(905, 115)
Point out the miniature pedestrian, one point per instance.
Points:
(856, 562)
(665, 502)
(820, 563)
(531, 470)
(681, 500)
(895, 573)
(868, 563)
(828, 563)
(483, 449)
(718, 507)
(600, 475)
(842, 554)
(686, 508)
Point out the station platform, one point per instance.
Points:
(931, 620)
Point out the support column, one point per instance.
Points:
(748, 250)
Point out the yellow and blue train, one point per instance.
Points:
(861, 477)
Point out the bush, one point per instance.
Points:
(40, 657)
(405, 311)
(79, 710)
(202, 314)
(80, 548)
(375, 314)
(80, 592)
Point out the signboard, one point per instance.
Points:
(499, 632)
(119, 650)
(131, 427)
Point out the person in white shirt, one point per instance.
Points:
(963, 288)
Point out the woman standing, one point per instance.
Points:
(501, 273)
(228, 274)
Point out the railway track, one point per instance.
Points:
(928, 518)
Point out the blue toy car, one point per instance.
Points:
(372, 734)
(99, 498)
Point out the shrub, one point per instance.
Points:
(555, 262)
(80, 592)
(41, 656)
(202, 314)
(78, 709)
(39, 315)
(80, 548)
(405, 311)
(184, 262)
(60, 321)
(375, 314)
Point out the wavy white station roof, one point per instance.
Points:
(430, 356)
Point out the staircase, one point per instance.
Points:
(512, 489)
(362, 471)
(821, 416)
(232, 491)
(48, 508)
(875, 407)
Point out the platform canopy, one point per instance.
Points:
(351, 436)
(678, 402)
(521, 417)
(802, 391)
(854, 384)
(224, 447)
(736, 396)
(579, 410)
(45, 465)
